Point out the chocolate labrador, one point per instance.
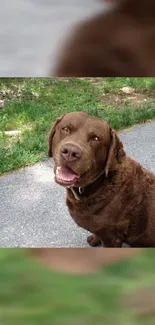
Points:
(108, 193)
(116, 43)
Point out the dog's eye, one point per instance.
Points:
(95, 138)
(65, 129)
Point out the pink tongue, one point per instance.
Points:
(66, 174)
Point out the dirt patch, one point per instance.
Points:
(119, 98)
(16, 94)
(83, 261)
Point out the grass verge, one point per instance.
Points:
(30, 294)
(32, 105)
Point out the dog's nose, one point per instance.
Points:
(70, 152)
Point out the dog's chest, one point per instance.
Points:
(87, 215)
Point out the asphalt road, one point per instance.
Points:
(31, 32)
(32, 206)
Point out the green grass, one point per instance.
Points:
(32, 105)
(109, 84)
(30, 294)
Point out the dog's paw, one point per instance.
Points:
(93, 240)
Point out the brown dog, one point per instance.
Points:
(108, 193)
(118, 43)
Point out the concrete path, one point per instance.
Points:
(31, 32)
(32, 206)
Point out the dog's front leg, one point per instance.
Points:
(111, 240)
(114, 236)
(107, 240)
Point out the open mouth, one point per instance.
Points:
(66, 176)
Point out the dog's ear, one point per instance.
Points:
(51, 135)
(116, 152)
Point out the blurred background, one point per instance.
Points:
(32, 30)
(121, 293)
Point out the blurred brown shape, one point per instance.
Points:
(119, 43)
(80, 260)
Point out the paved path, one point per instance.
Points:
(31, 31)
(32, 206)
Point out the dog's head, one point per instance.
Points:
(83, 147)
